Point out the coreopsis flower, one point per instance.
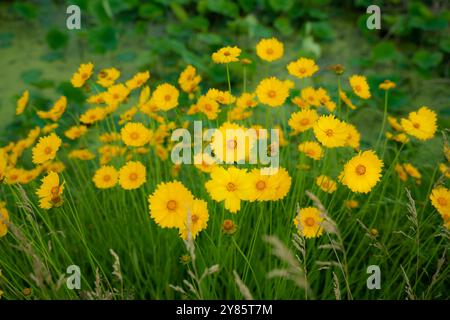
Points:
(387, 85)
(3, 164)
(222, 97)
(169, 205)
(246, 100)
(401, 172)
(56, 111)
(228, 227)
(165, 97)
(226, 55)
(4, 221)
(93, 115)
(420, 124)
(443, 168)
(308, 222)
(97, 98)
(115, 95)
(107, 77)
(106, 177)
(22, 102)
(55, 166)
(138, 80)
(110, 137)
(330, 105)
(50, 192)
(49, 128)
(400, 137)
(393, 122)
(302, 68)
(440, 199)
(189, 79)
(29, 175)
(208, 106)
(326, 184)
(132, 175)
(46, 148)
(128, 115)
(83, 74)
(346, 100)
(282, 181)
(135, 134)
(360, 86)
(270, 49)
(330, 131)
(229, 185)
(272, 92)
(311, 149)
(351, 204)
(301, 103)
(198, 213)
(238, 114)
(262, 187)
(353, 136)
(310, 95)
(204, 162)
(303, 120)
(362, 172)
(13, 175)
(81, 154)
(412, 171)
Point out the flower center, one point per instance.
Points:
(133, 176)
(134, 135)
(357, 88)
(106, 177)
(416, 125)
(260, 185)
(48, 150)
(269, 51)
(231, 187)
(208, 107)
(272, 94)
(228, 224)
(171, 205)
(329, 132)
(302, 70)
(309, 222)
(226, 53)
(304, 122)
(115, 96)
(194, 218)
(360, 169)
(442, 201)
(167, 97)
(84, 76)
(54, 190)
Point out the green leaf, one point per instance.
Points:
(427, 59)
(72, 94)
(384, 50)
(179, 12)
(322, 30)
(223, 7)
(283, 25)
(103, 39)
(150, 11)
(25, 10)
(281, 5)
(56, 39)
(30, 76)
(445, 45)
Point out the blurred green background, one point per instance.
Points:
(38, 53)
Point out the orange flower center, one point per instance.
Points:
(106, 177)
(260, 185)
(231, 187)
(304, 122)
(228, 224)
(133, 176)
(360, 169)
(309, 222)
(102, 74)
(84, 76)
(325, 184)
(134, 135)
(302, 70)
(271, 94)
(329, 132)
(310, 152)
(416, 125)
(55, 190)
(208, 107)
(357, 88)
(14, 177)
(56, 200)
(167, 97)
(171, 205)
(226, 53)
(115, 96)
(442, 201)
(269, 51)
(48, 150)
(194, 218)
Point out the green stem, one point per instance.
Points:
(384, 118)
(228, 77)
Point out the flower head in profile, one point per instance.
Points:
(401, 172)
(387, 85)
(3, 164)
(132, 175)
(81, 154)
(362, 172)
(46, 148)
(4, 220)
(420, 124)
(135, 134)
(311, 149)
(138, 80)
(56, 111)
(106, 177)
(222, 97)
(169, 205)
(189, 79)
(272, 92)
(346, 100)
(443, 168)
(360, 86)
(326, 184)
(50, 192)
(226, 55)
(83, 74)
(93, 115)
(107, 77)
(310, 95)
(308, 222)
(270, 49)
(198, 214)
(246, 100)
(229, 185)
(331, 132)
(22, 102)
(165, 97)
(302, 68)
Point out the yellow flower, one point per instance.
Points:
(169, 205)
(3, 164)
(401, 172)
(302, 68)
(135, 134)
(270, 49)
(93, 115)
(310, 95)
(208, 106)
(128, 115)
(13, 175)
(98, 98)
(308, 222)
(226, 55)
(420, 124)
(393, 122)
(50, 192)
(445, 170)
(238, 114)
(107, 77)
(387, 85)
(312, 149)
(326, 184)
(440, 199)
(56, 111)
(272, 92)
(228, 227)
(330, 131)
(49, 128)
(132, 175)
(346, 100)
(81, 154)
(189, 79)
(303, 120)
(246, 100)
(110, 137)
(229, 185)
(105, 177)
(222, 97)
(282, 182)
(83, 74)
(29, 175)
(353, 136)
(138, 80)
(362, 172)
(46, 148)
(165, 97)
(22, 102)
(262, 187)
(199, 219)
(351, 204)
(115, 95)
(204, 162)
(4, 221)
(301, 103)
(360, 86)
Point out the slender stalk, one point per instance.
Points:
(383, 124)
